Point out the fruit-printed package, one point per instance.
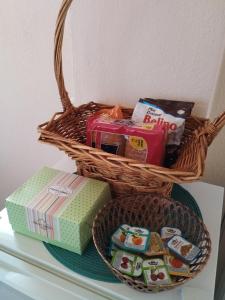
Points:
(168, 232)
(133, 239)
(127, 263)
(176, 267)
(119, 237)
(169, 114)
(155, 272)
(183, 249)
(156, 246)
(139, 141)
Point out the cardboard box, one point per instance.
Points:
(57, 207)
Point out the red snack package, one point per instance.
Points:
(103, 134)
(127, 138)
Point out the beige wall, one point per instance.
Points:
(28, 94)
(215, 163)
(126, 49)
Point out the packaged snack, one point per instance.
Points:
(154, 262)
(108, 142)
(127, 138)
(168, 114)
(112, 143)
(127, 263)
(156, 246)
(155, 272)
(185, 250)
(138, 239)
(132, 238)
(119, 237)
(142, 144)
(136, 148)
(114, 113)
(168, 232)
(176, 267)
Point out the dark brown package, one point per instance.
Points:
(169, 114)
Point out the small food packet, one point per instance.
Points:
(153, 262)
(135, 239)
(156, 246)
(114, 113)
(168, 114)
(119, 237)
(168, 232)
(146, 143)
(127, 263)
(176, 267)
(185, 250)
(155, 272)
(138, 141)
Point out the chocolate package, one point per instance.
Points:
(127, 263)
(155, 272)
(176, 267)
(135, 239)
(168, 232)
(183, 249)
(168, 114)
(156, 247)
(139, 141)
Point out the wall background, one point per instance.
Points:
(215, 167)
(28, 91)
(128, 49)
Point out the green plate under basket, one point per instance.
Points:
(90, 263)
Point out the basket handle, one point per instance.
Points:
(59, 33)
(213, 128)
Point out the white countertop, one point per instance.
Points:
(24, 260)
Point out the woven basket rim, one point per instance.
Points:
(44, 129)
(168, 200)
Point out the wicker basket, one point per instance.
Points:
(153, 212)
(67, 131)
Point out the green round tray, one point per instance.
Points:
(90, 263)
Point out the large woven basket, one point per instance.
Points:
(67, 131)
(153, 212)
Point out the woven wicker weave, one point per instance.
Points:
(67, 131)
(153, 212)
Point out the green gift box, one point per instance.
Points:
(57, 207)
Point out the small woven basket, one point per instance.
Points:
(67, 131)
(153, 212)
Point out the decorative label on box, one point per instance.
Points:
(44, 210)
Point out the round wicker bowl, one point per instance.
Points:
(151, 211)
